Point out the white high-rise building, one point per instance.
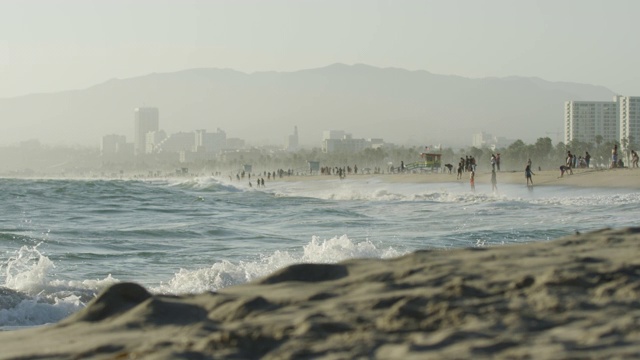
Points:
(209, 142)
(145, 119)
(585, 120)
(629, 108)
(153, 139)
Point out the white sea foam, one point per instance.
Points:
(225, 273)
(352, 190)
(35, 298)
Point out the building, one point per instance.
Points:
(629, 110)
(333, 135)
(492, 142)
(176, 143)
(587, 120)
(145, 119)
(111, 144)
(152, 141)
(206, 142)
(115, 148)
(605, 121)
(339, 141)
(292, 141)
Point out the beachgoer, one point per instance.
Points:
(498, 161)
(449, 167)
(614, 156)
(493, 162)
(563, 169)
(494, 181)
(472, 181)
(634, 159)
(587, 158)
(528, 173)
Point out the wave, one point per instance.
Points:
(352, 190)
(226, 273)
(29, 296)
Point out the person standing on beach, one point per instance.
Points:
(634, 159)
(587, 158)
(493, 162)
(527, 174)
(614, 156)
(498, 161)
(569, 159)
(494, 181)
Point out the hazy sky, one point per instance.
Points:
(53, 45)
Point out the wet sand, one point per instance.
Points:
(607, 178)
(572, 298)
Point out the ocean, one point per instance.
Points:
(62, 241)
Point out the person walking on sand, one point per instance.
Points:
(527, 174)
(494, 181)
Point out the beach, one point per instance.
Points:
(484, 288)
(604, 178)
(574, 297)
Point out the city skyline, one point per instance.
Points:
(402, 106)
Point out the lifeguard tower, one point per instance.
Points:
(429, 162)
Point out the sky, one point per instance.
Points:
(56, 45)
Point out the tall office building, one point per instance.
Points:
(629, 121)
(585, 120)
(146, 119)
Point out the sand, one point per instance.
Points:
(610, 178)
(576, 297)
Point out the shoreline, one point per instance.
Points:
(604, 178)
(624, 178)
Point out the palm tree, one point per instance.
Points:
(599, 140)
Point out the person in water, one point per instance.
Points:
(527, 174)
(494, 181)
(472, 178)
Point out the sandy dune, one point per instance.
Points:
(575, 297)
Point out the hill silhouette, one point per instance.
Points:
(398, 105)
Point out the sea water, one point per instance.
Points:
(62, 241)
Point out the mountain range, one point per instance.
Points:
(400, 106)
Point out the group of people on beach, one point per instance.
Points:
(615, 162)
(572, 161)
(466, 164)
